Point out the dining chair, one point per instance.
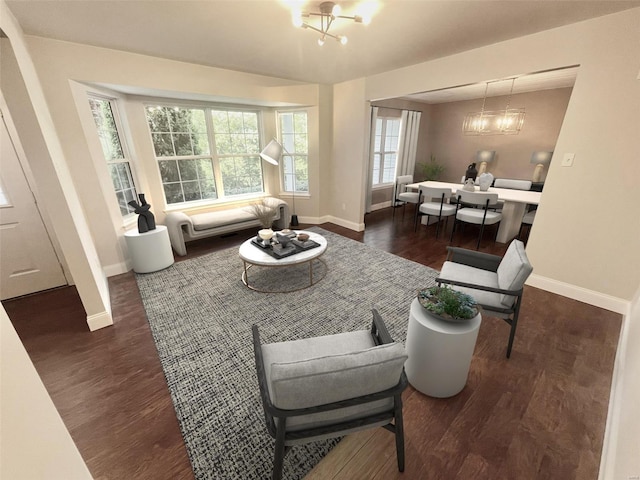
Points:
(475, 208)
(511, 183)
(527, 221)
(435, 204)
(329, 386)
(401, 194)
(496, 283)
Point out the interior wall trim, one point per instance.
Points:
(99, 320)
(117, 268)
(591, 297)
(358, 227)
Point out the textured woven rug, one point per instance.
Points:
(201, 314)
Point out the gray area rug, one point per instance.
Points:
(201, 314)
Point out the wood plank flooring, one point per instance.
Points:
(539, 415)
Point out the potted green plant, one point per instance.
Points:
(448, 304)
(431, 169)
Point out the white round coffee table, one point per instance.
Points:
(253, 255)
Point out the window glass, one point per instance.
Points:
(105, 117)
(196, 146)
(295, 162)
(385, 150)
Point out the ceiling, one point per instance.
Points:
(533, 82)
(257, 36)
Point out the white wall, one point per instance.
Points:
(350, 116)
(75, 66)
(65, 209)
(579, 245)
(34, 443)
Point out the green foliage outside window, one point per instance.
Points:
(188, 161)
(102, 110)
(295, 163)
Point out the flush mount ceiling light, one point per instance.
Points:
(329, 13)
(508, 121)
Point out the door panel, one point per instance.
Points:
(28, 261)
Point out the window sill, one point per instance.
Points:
(296, 195)
(225, 203)
(382, 186)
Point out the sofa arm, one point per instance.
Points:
(472, 258)
(282, 220)
(175, 221)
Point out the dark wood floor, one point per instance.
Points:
(539, 415)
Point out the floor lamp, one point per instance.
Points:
(272, 153)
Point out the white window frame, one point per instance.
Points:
(221, 196)
(383, 151)
(125, 160)
(295, 156)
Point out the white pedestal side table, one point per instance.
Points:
(439, 352)
(149, 251)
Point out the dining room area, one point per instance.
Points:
(502, 130)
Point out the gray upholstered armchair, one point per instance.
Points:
(325, 387)
(496, 283)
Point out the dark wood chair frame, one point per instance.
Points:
(486, 261)
(276, 418)
(485, 208)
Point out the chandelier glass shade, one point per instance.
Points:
(328, 14)
(508, 121)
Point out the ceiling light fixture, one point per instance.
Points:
(508, 121)
(329, 12)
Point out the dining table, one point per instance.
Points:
(515, 204)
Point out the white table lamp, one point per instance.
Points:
(540, 159)
(484, 157)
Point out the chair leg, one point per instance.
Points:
(480, 236)
(278, 458)
(514, 325)
(453, 230)
(399, 428)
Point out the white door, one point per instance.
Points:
(28, 261)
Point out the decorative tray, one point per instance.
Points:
(278, 251)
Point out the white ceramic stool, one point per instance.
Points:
(149, 251)
(439, 352)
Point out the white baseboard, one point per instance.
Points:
(358, 227)
(117, 269)
(590, 297)
(380, 206)
(612, 426)
(616, 396)
(99, 320)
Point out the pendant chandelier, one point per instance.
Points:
(508, 121)
(329, 13)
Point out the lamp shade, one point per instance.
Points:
(272, 152)
(485, 155)
(541, 157)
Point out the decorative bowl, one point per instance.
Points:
(448, 304)
(303, 237)
(265, 234)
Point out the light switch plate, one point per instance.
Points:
(567, 159)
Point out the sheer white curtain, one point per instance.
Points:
(408, 142)
(372, 136)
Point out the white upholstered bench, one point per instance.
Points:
(184, 228)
